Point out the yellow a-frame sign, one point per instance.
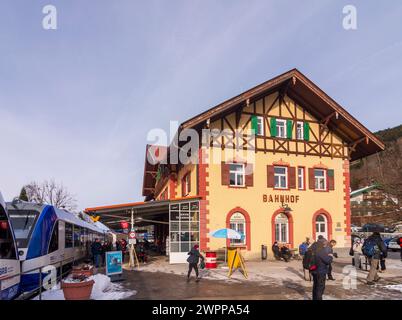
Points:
(235, 259)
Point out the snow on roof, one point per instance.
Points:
(72, 218)
(362, 190)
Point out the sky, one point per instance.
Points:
(77, 103)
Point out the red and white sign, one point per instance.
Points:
(131, 235)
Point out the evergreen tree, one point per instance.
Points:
(23, 194)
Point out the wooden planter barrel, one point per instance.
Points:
(77, 290)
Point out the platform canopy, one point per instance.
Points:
(145, 213)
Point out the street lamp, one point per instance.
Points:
(285, 207)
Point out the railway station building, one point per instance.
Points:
(271, 163)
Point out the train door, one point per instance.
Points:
(9, 263)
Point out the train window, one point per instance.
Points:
(22, 222)
(69, 235)
(54, 241)
(7, 248)
(77, 234)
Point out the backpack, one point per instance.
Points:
(370, 247)
(309, 259)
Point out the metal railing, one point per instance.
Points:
(39, 289)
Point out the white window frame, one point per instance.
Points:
(280, 235)
(282, 121)
(260, 126)
(237, 174)
(301, 128)
(317, 180)
(300, 178)
(281, 175)
(234, 224)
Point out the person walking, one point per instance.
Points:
(323, 259)
(372, 248)
(357, 252)
(193, 259)
(96, 250)
(331, 246)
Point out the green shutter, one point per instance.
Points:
(289, 127)
(330, 172)
(254, 124)
(306, 131)
(273, 127)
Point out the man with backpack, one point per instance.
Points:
(309, 259)
(321, 259)
(373, 248)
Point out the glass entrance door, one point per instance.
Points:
(184, 229)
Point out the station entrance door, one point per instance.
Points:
(184, 229)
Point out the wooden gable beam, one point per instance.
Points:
(328, 118)
(352, 146)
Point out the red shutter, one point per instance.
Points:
(292, 177)
(331, 179)
(225, 178)
(270, 177)
(183, 186)
(249, 174)
(311, 181)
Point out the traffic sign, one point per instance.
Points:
(131, 235)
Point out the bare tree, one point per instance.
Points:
(50, 192)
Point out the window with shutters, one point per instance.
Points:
(300, 178)
(320, 179)
(236, 174)
(260, 126)
(281, 128)
(238, 223)
(281, 177)
(299, 131)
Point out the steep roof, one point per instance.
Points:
(301, 89)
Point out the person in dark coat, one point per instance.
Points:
(323, 259)
(285, 253)
(96, 250)
(193, 259)
(276, 251)
(379, 249)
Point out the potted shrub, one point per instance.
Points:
(77, 287)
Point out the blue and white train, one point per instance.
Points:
(9, 263)
(48, 240)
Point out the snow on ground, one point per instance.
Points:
(103, 289)
(397, 287)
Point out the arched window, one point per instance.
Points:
(321, 226)
(282, 228)
(238, 223)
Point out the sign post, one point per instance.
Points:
(131, 242)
